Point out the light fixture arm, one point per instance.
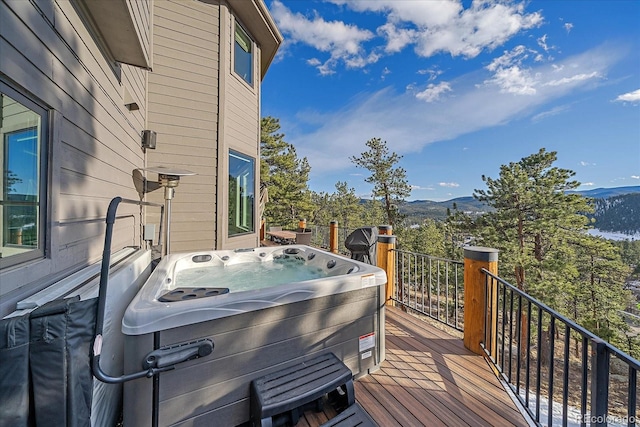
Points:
(169, 179)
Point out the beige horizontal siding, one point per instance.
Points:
(165, 102)
(181, 96)
(239, 130)
(183, 110)
(95, 144)
(173, 50)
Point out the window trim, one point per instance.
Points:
(252, 46)
(241, 156)
(38, 108)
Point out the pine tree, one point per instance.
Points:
(347, 209)
(285, 176)
(532, 220)
(389, 181)
(427, 238)
(342, 206)
(597, 295)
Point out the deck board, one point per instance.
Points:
(430, 379)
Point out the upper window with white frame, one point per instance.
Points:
(243, 55)
(23, 130)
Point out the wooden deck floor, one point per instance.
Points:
(429, 379)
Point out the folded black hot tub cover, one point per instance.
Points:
(362, 244)
(45, 373)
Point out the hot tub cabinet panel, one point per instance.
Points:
(214, 390)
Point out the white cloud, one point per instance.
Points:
(633, 97)
(433, 73)
(574, 78)
(514, 79)
(342, 41)
(432, 27)
(408, 123)
(555, 111)
(568, 27)
(635, 176)
(587, 184)
(583, 163)
(449, 184)
(542, 42)
(421, 13)
(432, 92)
(386, 71)
(463, 32)
(397, 38)
(511, 74)
(417, 187)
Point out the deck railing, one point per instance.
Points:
(431, 286)
(560, 372)
(320, 237)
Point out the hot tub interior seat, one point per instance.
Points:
(202, 275)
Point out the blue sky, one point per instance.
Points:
(458, 88)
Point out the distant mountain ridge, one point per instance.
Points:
(421, 209)
(605, 193)
(438, 210)
(619, 213)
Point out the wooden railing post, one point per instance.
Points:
(476, 304)
(386, 261)
(385, 230)
(333, 237)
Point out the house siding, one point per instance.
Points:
(240, 129)
(94, 141)
(183, 110)
(51, 53)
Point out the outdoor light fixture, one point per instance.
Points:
(169, 179)
(149, 139)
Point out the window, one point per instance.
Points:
(241, 193)
(22, 162)
(242, 55)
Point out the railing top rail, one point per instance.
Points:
(582, 331)
(428, 256)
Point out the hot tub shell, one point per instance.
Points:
(254, 333)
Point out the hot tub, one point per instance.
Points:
(264, 309)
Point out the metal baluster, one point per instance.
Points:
(528, 361)
(510, 333)
(446, 292)
(631, 397)
(565, 379)
(552, 340)
(455, 266)
(538, 368)
(585, 370)
(519, 343)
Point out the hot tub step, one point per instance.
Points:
(353, 416)
(290, 388)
